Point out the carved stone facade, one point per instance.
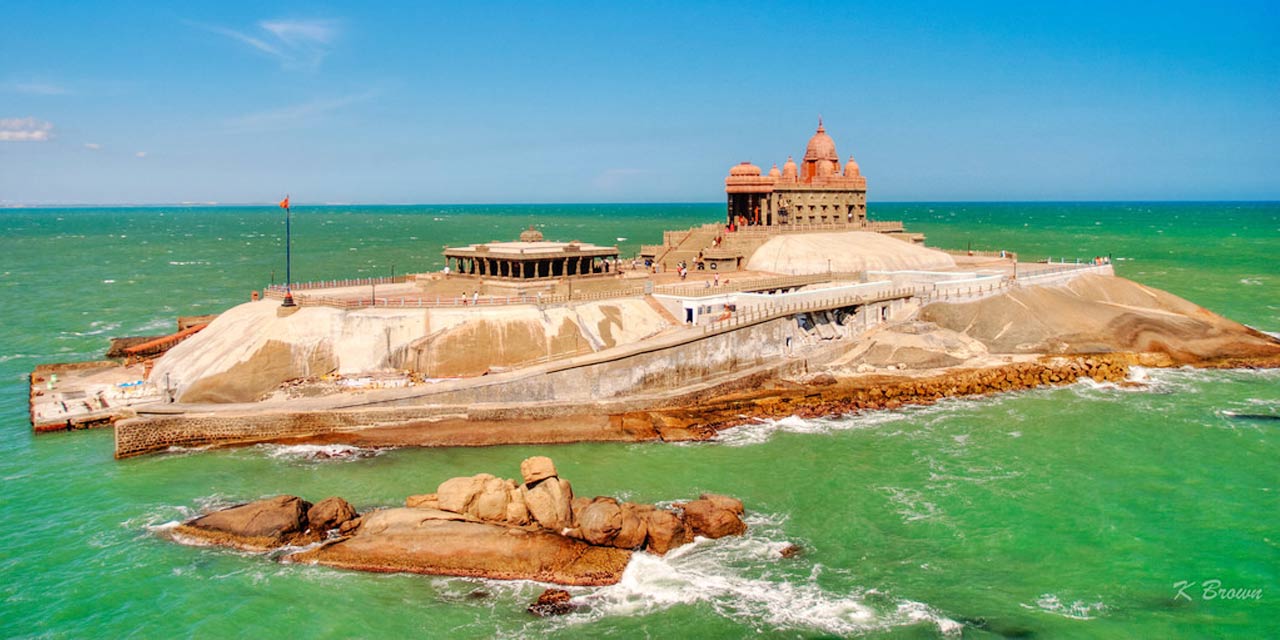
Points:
(819, 193)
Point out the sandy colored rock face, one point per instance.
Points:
(914, 345)
(632, 529)
(537, 468)
(248, 351)
(492, 529)
(449, 547)
(457, 494)
(549, 503)
(425, 500)
(600, 521)
(492, 501)
(1100, 314)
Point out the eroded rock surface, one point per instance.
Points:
(477, 526)
(262, 524)
(1101, 314)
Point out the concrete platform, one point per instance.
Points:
(85, 395)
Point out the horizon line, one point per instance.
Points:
(211, 205)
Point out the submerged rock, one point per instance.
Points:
(552, 602)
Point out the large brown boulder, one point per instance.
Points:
(713, 519)
(457, 494)
(633, 528)
(537, 468)
(665, 531)
(491, 502)
(724, 502)
(517, 510)
(329, 513)
(441, 543)
(549, 502)
(600, 521)
(262, 524)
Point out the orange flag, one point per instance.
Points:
(284, 204)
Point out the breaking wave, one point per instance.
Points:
(318, 452)
(739, 578)
(761, 431)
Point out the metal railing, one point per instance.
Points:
(765, 312)
(278, 290)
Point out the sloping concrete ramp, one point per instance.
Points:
(798, 254)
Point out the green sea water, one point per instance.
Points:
(1082, 511)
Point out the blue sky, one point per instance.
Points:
(137, 102)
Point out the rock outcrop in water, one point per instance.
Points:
(270, 523)
(478, 526)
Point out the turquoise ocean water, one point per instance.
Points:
(1070, 512)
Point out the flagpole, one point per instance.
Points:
(288, 259)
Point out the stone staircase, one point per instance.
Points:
(698, 240)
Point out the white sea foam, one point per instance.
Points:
(318, 452)
(1076, 610)
(912, 505)
(761, 431)
(718, 574)
(737, 577)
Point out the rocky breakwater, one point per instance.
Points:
(479, 526)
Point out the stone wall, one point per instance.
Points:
(148, 434)
(594, 384)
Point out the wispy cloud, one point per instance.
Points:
(25, 130)
(141, 154)
(92, 146)
(295, 44)
(37, 88)
(302, 114)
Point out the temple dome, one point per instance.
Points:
(744, 169)
(821, 146)
(851, 169)
(774, 173)
(789, 169)
(530, 235)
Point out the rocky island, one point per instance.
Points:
(796, 304)
(480, 526)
